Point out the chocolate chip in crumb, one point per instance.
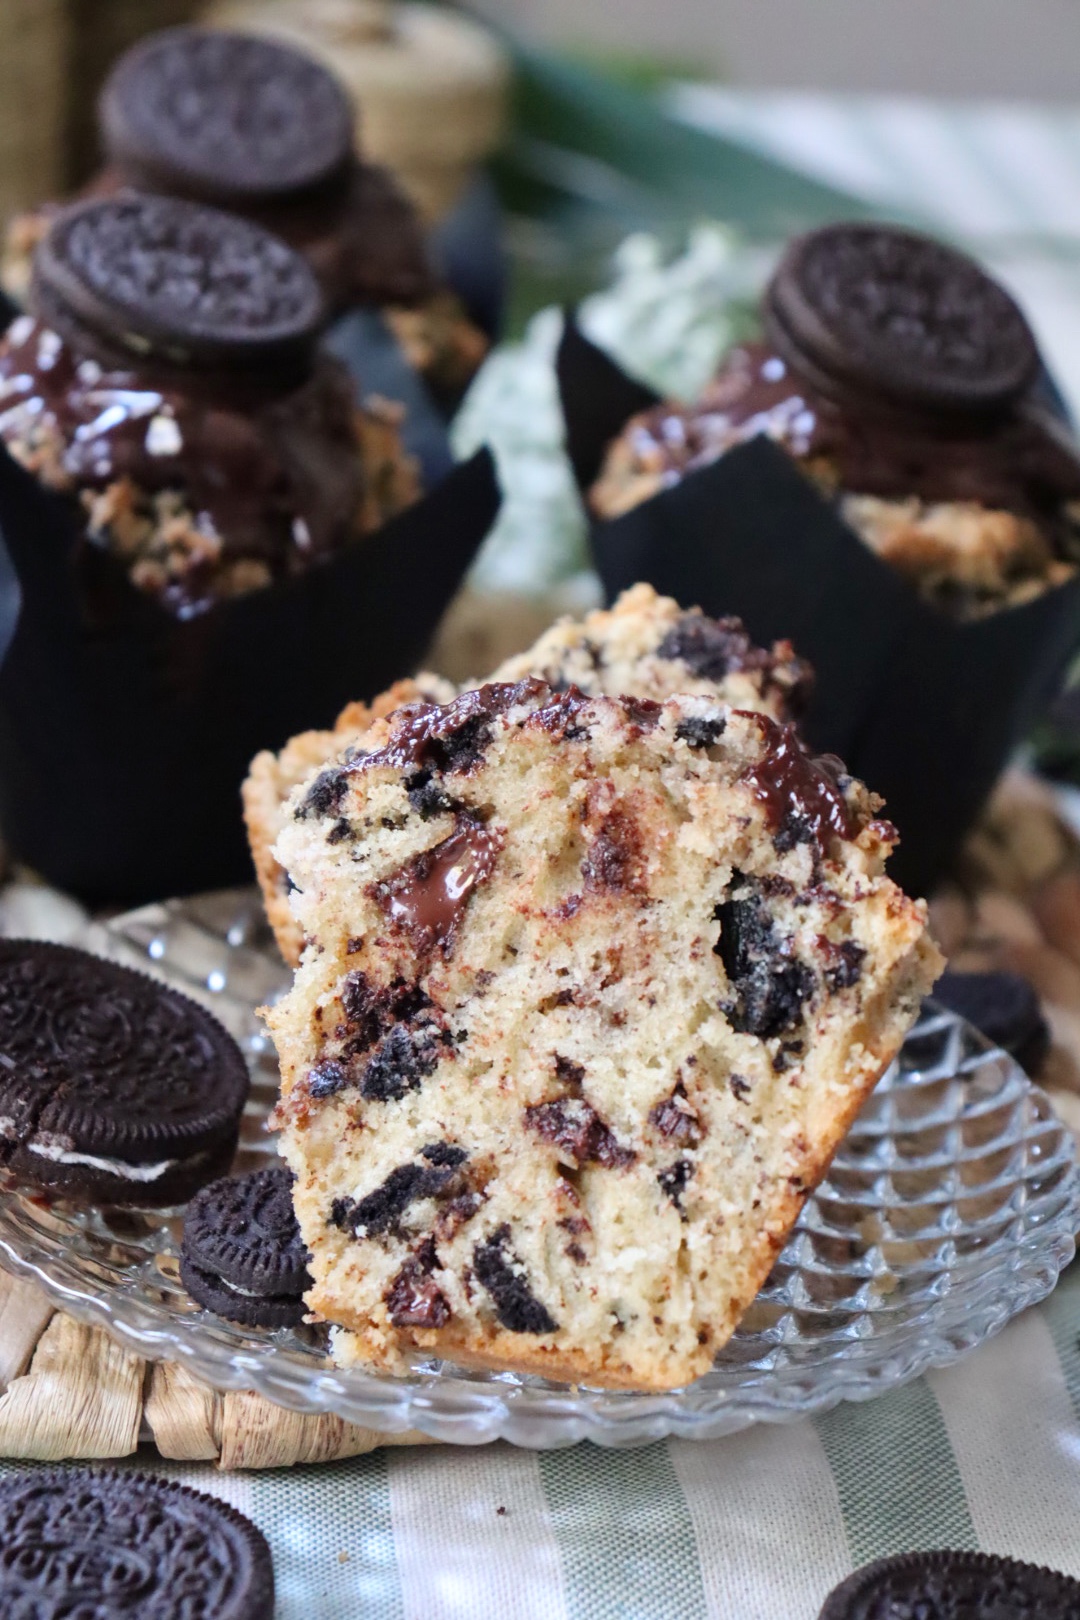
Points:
(574, 1127)
(502, 1274)
(698, 732)
(444, 1154)
(400, 1064)
(673, 1180)
(414, 1298)
(615, 858)
(341, 830)
(426, 797)
(325, 794)
(675, 1119)
(571, 1073)
(845, 964)
(770, 986)
(325, 1079)
(740, 1087)
(712, 648)
(381, 1210)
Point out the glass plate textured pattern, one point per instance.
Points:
(951, 1206)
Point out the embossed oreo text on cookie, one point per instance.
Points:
(232, 115)
(107, 1076)
(902, 316)
(78, 1542)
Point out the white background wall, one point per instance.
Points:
(976, 47)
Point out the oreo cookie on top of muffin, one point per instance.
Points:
(904, 381)
(258, 127)
(169, 379)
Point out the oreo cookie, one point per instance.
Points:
(1004, 1007)
(953, 1586)
(242, 1255)
(108, 1545)
(143, 281)
(113, 1088)
(896, 318)
(226, 117)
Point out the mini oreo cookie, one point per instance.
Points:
(889, 315)
(113, 1087)
(242, 1255)
(139, 280)
(107, 1545)
(225, 116)
(953, 1586)
(1004, 1007)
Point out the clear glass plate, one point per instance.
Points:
(951, 1206)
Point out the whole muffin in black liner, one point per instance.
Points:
(918, 412)
(194, 537)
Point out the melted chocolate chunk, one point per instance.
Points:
(324, 796)
(713, 648)
(673, 1180)
(413, 1298)
(576, 1129)
(450, 737)
(1018, 461)
(698, 732)
(381, 1211)
(426, 796)
(615, 860)
(501, 1272)
(427, 897)
(845, 964)
(802, 795)
(400, 1064)
(676, 1120)
(770, 985)
(641, 712)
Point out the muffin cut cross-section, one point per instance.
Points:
(594, 988)
(646, 645)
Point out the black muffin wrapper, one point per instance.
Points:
(125, 733)
(924, 708)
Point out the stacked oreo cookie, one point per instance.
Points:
(242, 1255)
(114, 1088)
(255, 126)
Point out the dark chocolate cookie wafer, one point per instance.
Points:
(143, 279)
(885, 313)
(225, 116)
(106, 1545)
(113, 1087)
(243, 1257)
(953, 1586)
(1004, 1007)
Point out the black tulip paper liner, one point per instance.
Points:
(365, 344)
(924, 708)
(125, 733)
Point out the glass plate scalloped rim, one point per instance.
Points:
(951, 1206)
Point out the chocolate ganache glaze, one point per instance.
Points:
(1021, 459)
(250, 454)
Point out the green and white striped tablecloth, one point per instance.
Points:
(757, 1526)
